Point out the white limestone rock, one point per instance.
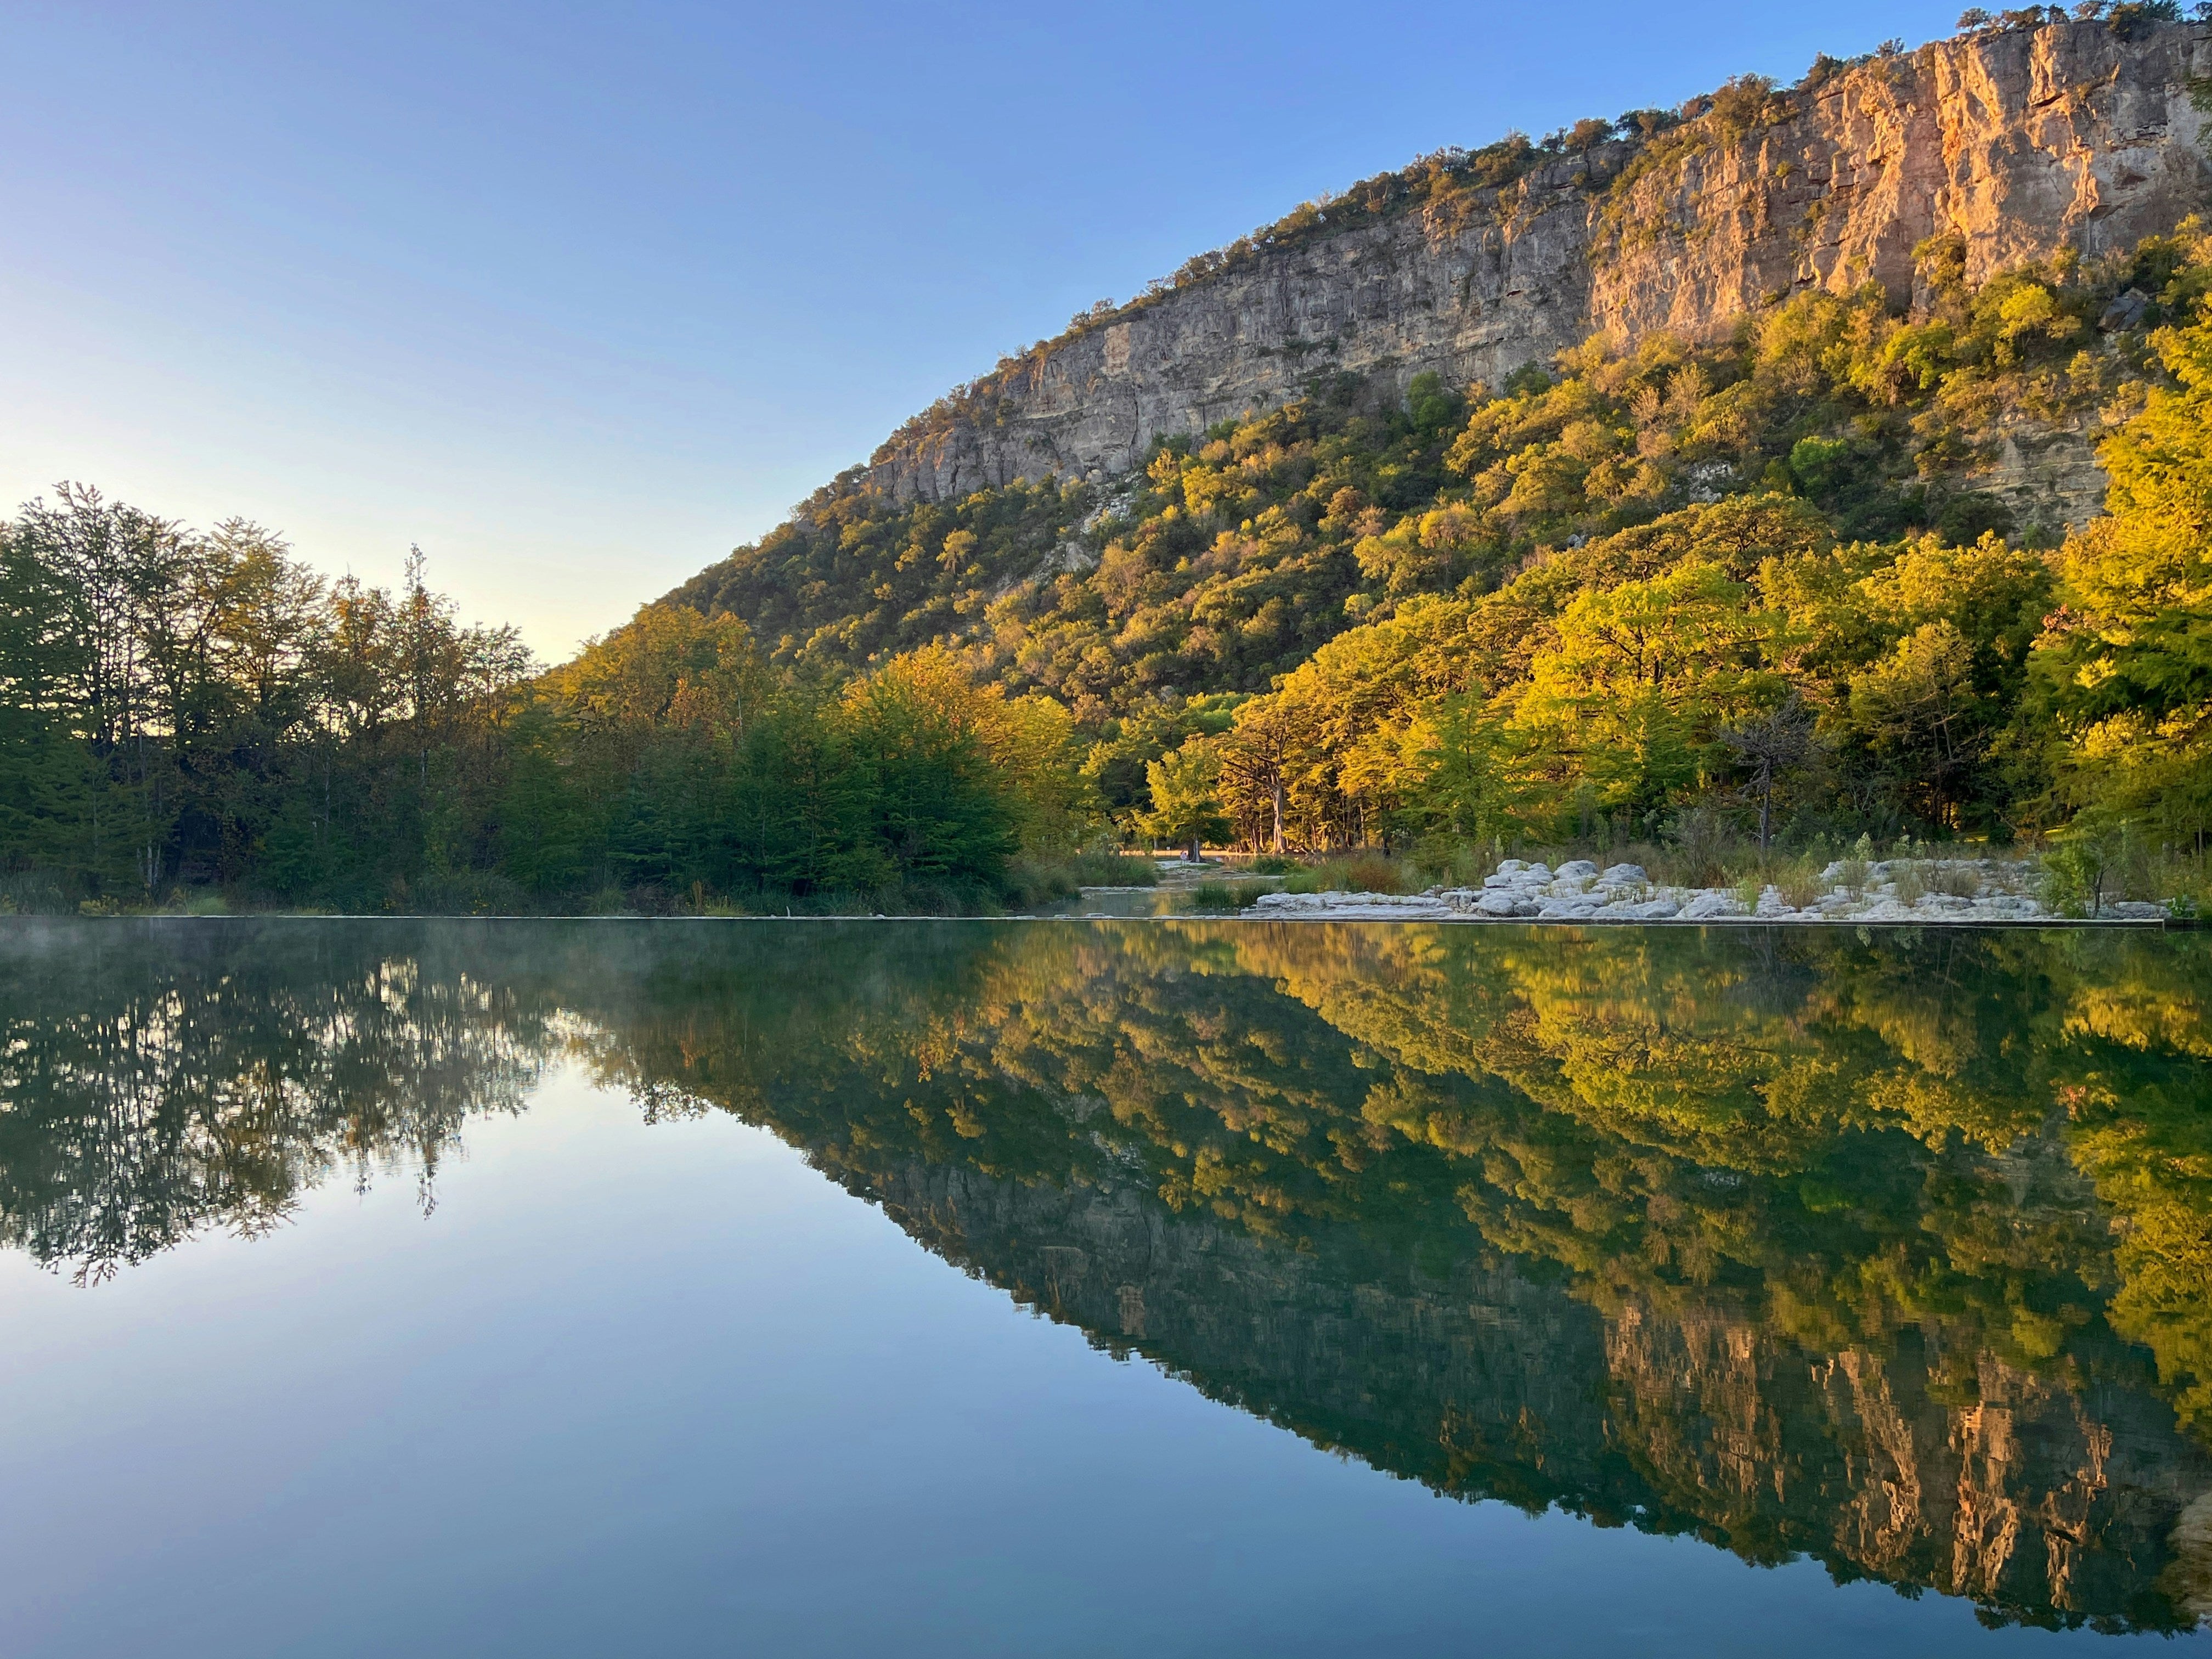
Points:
(1711, 905)
(1884, 909)
(1574, 909)
(1578, 891)
(1658, 909)
(1355, 907)
(2136, 910)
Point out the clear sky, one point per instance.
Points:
(579, 297)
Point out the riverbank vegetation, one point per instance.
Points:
(192, 714)
(1730, 604)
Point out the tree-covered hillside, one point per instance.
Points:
(1649, 594)
(1510, 613)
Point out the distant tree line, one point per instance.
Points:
(1753, 583)
(182, 711)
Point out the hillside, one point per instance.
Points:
(2018, 141)
(1668, 235)
(1805, 470)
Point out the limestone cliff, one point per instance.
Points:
(2020, 142)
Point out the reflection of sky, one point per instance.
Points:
(664, 1389)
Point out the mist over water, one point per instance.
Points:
(501, 1287)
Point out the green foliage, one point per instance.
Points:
(1184, 786)
(1231, 559)
(1115, 765)
(1366, 617)
(1600, 680)
(1031, 884)
(2081, 871)
(1225, 896)
(195, 708)
(182, 712)
(2125, 669)
(1516, 615)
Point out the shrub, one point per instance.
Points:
(1740, 103)
(1800, 885)
(2088, 866)
(1031, 882)
(1363, 872)
(2073, 878)
(461, 893)
(1702, 839)
(1113, 870)
(1959, 880)
(1372, 873)
(1452, 862)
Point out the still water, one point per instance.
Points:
(1100, 1288)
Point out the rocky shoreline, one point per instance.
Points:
(1975, 892)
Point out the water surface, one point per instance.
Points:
(1098, 1288)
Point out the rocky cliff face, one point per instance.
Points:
(2021, 143)
(1903, 1461)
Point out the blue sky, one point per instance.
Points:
(579, 297)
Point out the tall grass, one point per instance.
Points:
(33, 893)
(1360, 873)
(1226, 896)
(1034, 882)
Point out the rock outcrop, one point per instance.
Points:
(1904, 892)
(2020, 143)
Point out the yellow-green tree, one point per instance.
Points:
(1639, 679)
(2126, 664)
(1029, 742)
(1186, 786)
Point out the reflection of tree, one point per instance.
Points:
(1889, 1249)
(1817, 1198)
(162, 1079)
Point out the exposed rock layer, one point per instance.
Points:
(1898, 1460)
(2021, 143)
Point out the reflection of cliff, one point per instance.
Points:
(1809, 1242)
(1912, 1464)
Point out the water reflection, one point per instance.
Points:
(1889, 1249)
